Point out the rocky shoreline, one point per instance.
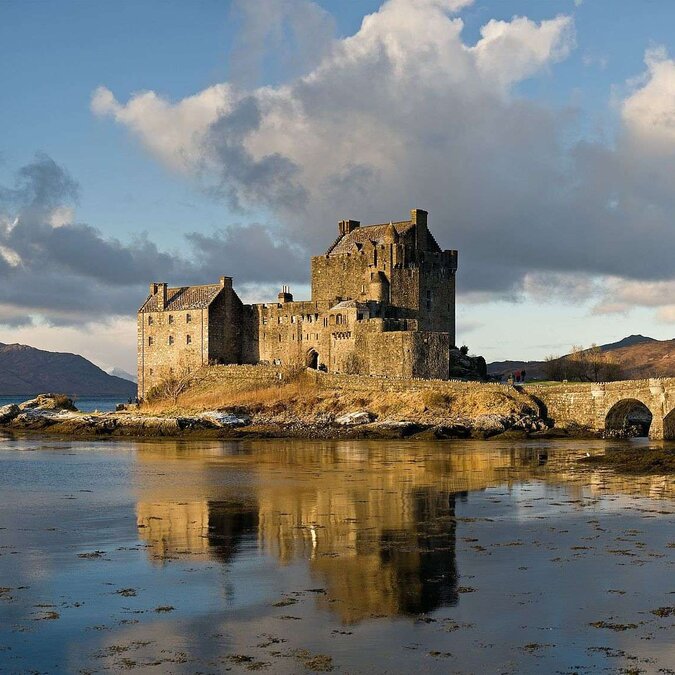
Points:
(54, 414)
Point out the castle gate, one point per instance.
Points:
(312, 358)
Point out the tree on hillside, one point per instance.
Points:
(174, 381)
(554, 368)
(583, 365)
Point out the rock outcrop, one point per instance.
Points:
(465, 367)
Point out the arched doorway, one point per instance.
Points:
(627, 419)
(312, 358)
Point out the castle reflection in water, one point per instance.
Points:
(375, 522)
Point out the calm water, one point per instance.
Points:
(85, 404)
(363, 557)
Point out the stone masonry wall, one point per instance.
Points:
(567, 403)
(168, 341)
(225, 328)
(242, 377)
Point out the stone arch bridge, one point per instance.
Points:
(608, 405)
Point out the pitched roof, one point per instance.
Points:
(185, 297)
(361, 235)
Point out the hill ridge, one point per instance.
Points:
(639, 357)
(29, 370)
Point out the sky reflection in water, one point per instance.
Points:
(361, 556)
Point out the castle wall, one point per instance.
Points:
(285, 333)
(169, 342)
(405, 292)
(225, 317)
(383, 303)
(342, 277)
(430, 355)
(403, 354)
(437, 293)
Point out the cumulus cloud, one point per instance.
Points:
(406, 113)
(510, 51)
(649, 112)
(298, 33)
(172, 132)
(68, 273)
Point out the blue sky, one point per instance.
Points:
(54, 56)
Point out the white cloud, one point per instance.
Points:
(510, 51)
(622, 294)
(649, 111)
(544, 287)
(359, 103)
(10, 256)
(173, 132)
(61, 215)
(405, 113)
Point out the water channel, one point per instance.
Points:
(346, 556)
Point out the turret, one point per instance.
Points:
(378, 287)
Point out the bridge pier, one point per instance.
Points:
(656, 429)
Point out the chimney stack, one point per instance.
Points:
(159, 288)
(347, 226)
(285, 295)
(419, 218)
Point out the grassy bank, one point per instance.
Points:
(303, 399)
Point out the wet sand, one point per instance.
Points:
(352, 556)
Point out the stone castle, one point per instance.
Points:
(382, 303)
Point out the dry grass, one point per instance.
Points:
(302, 398)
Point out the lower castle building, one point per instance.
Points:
(382, 303)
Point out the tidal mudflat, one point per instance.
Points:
(352, 556)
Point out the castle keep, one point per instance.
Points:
(382, 303)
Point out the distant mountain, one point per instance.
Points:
(629, 341)
(119, 372)
(638, 356)
(27, 370)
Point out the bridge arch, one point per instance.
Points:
(628, 417)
